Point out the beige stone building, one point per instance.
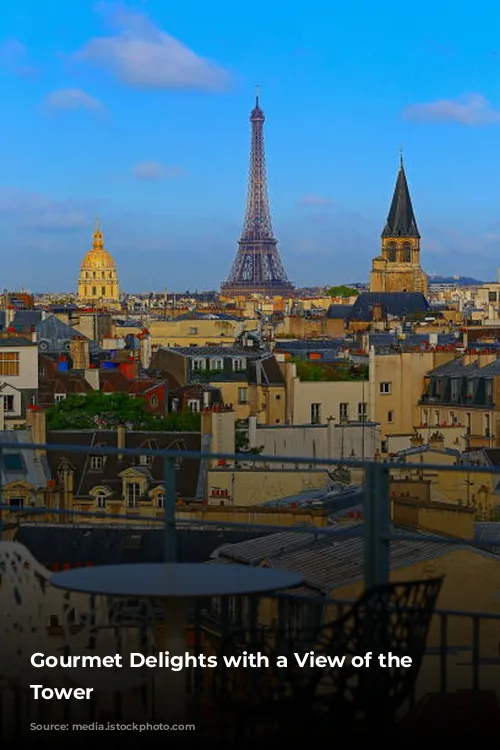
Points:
(397, 382)
(315, 402)
(397, 268)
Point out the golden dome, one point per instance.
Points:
(97, 257)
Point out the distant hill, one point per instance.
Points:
(458, 280)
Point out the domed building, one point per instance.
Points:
(98, 281)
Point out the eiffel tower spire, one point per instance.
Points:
(257, 267)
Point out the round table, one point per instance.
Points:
(178, 585)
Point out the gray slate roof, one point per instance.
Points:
(31, 469)
(325, 561)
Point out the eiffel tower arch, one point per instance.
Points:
(257, 267)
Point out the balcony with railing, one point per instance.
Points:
(394, 574)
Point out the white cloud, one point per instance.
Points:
(72, 99)
(14, 56)
(315, 200)
(155, 170)
(33, 211)
(470, 109)
(142, 55)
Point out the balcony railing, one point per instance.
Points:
(460, 652)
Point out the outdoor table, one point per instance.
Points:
(179, 586)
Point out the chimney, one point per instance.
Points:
(436, 441)
(121, 439)
(80, 353)
(446, 519)
(377, 312)
(416, 440)
(35, 420)
(145, 349)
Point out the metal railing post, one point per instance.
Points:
(2, 510)
(169, 508)
(377, 525)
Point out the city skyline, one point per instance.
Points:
(140, 115)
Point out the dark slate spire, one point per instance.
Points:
(401, 220)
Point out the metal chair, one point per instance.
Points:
(311, 700)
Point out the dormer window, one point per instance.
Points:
(96, 463)
(239, 364)
(160, 500)
(199, 364)
(217, 364)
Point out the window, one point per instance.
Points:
(145, 460)
(406, 252)
(199, 364)
(487, 426)
(16, 503)
(436, 418)
(160, 500)
(133, 494)
(8, 403)
(32, 400)
(453, 417)
(94, 290)
(96, 463)
(383, 446)
(385, 388)
(103, 291)
(362, 411)
(216, 364)
(391, 252)
(154, 401)
(315, 413)
(193, 331)
(239, 365)
(59, 397)
(468, 419)
(243, 395)
(193, 404)
(489, 391)
(175, 404)
(9, 363)
(492, 296)
(101, 499)
(343, 411)
(425, 416)
(390, 416)
(454, 389)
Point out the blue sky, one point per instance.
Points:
(139, 114)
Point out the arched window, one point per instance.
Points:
(101, 499)
(406, 256)
(391, 252)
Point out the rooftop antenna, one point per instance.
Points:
(401, 158)
(257, 94)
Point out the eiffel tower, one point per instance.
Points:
(257, 268)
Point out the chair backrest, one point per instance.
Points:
(23, 623)
(394, 619)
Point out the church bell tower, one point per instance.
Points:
(397, 268)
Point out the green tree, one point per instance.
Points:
(81, 412)
(342, 291)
